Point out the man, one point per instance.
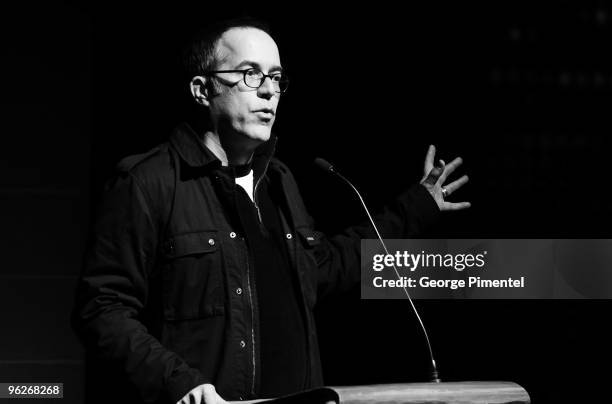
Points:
(204, 268)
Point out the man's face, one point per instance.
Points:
(241, 114)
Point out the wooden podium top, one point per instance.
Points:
(411, 393)
(438, 393)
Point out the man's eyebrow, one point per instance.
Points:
(257, 65)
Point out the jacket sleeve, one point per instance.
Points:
(339, 257)
(113, 290)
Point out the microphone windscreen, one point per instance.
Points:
(323, 164)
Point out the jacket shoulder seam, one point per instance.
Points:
(128, 163)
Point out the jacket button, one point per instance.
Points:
(211, 241)
(289, 236)
(232, 235)
(242, 344)
(239, 291)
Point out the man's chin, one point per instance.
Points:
(251, 136)
(259, 135)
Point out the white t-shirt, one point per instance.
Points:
(246, 183)
(212, 143)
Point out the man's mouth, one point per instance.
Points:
(265, 111)
(265, 114)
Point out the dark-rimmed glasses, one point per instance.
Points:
(254, 78)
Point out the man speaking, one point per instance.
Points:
(204, 267)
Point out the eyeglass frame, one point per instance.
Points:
(244, 77)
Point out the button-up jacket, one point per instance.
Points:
(166, 300)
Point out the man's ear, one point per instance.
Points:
(199, 90)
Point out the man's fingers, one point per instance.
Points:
(196, 397)
(450, 167)
(433, 176)
(429, 159)
(453, 186)
(211, 396)
(456, 205)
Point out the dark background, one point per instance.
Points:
(520, 90)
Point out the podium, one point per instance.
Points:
(438, 393)
(410, 393)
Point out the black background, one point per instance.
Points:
(520, 90)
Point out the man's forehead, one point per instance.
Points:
(240, 44)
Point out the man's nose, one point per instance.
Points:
(266, 89)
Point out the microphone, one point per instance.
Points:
(326, 166)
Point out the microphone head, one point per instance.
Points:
(323, 164)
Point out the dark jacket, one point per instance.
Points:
(166, 298)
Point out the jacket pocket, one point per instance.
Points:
(193, 276)
(309, 237)
(308, 269)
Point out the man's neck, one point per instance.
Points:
(212, 142)
(227, 155)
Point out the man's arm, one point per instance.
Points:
(113, 291)
(409, 215)
(338, 257)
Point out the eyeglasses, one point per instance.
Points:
(254, 78)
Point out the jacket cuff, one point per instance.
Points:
(182, 384)
(427, 210)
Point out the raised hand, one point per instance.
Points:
(435, 177)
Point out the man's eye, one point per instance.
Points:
(253, 73)
(277, 78)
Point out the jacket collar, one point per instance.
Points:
(192, 151)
